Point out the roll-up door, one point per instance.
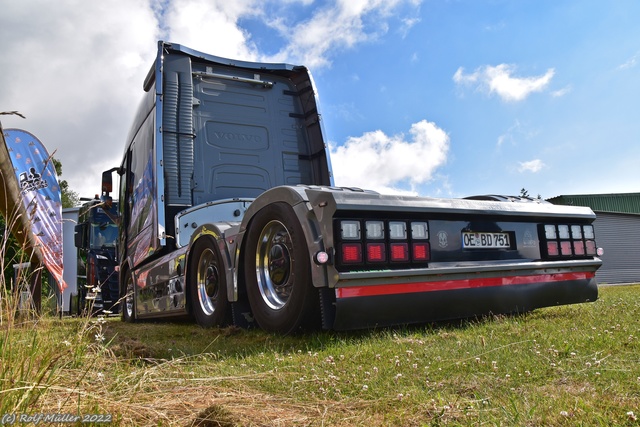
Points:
(619, 236)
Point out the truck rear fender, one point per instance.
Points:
(294, 196)
(223, 234)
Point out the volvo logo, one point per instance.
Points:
(528, 240)
(443, 239)
(237, 136)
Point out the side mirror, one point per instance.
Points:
(107, 182)
(79, 237)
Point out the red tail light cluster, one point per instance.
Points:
(382, 244)
(569, 241)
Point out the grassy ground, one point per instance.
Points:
(571, 365)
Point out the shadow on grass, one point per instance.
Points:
(148, 341)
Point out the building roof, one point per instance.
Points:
(627, 203)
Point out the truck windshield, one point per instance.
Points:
(103, 235)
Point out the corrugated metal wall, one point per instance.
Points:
(619, 235)
(619, 203)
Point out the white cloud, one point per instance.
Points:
(75, 68)
(531, 166)
(518, 132)
(407, 24)
(561, 92)
(71, 67)
(211, 26)
(389, 164)
(500, 80)
(509, 134)
(630, 63)
(336, 27)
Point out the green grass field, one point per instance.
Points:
(571, 365)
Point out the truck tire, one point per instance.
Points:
(128, 300)
(207, 285)
(278, 271)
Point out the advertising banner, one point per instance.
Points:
(40, 194)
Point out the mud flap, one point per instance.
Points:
(327, 307)
(241, 314)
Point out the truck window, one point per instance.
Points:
(103, 235)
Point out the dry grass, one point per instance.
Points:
(574, 365)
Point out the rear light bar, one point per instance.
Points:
(376, 252)
(383, 243)
(569, 240)
(399, 252)
(352, 253)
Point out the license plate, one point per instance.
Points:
(472, 240)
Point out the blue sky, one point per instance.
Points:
(434, 98)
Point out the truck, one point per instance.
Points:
(95, 236)
(229, 214)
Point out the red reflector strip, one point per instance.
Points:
(552, 249)
(448, 285)
(399, 252)
(421, 252)
(376, 252)
(351, 253)
(565, 247)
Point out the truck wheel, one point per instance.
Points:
(208, 285)
(128, 302)
(278, 271)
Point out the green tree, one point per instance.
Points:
(525, 193)
(68, 197)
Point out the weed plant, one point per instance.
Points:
(40, 355)
(561, 366)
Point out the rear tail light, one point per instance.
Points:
(421, 251)
(419, 230)
(375, 230)
(588, 232)
(376, 252)
(550, 232)
(399, 252)
(576, 232)
(565, 248)
(350, 230)
(566, 241)
(352, 253)
(382, 243)
(397, 230)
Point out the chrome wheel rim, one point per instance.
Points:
(274, 265)
(207, 281)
